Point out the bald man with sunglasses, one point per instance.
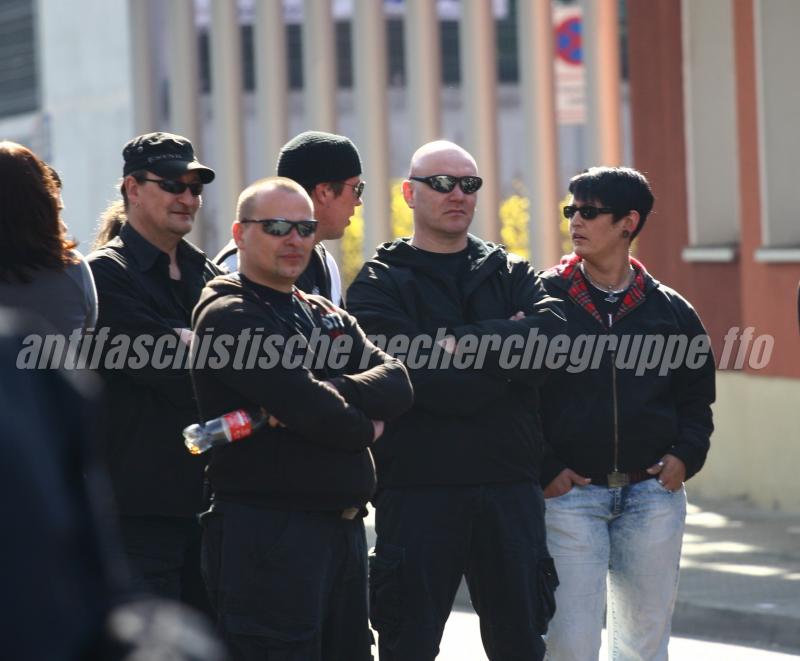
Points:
(284, 543)
(458, 492)
(148, 280)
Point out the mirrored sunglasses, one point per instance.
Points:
(358, 189)
(282, 227)
(445, 183)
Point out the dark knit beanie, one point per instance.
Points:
(315, 157)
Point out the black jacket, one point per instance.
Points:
(471, 426)
(591, 415)
(321, 459)
(151, 471)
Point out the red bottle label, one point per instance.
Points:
(238, 424)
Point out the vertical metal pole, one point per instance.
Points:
(369, 50)
(319, 66)
(423, 72)
(226, 103)
(272, 88)
(479, 100)
(535, 30)
(602, 59)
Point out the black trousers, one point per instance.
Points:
(428, 538)
(287, 586)
(163, 555)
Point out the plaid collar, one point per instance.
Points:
(578, 288)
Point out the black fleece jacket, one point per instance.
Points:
(468, 426)
(625, 412)
(321, 459)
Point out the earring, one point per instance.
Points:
(625, 234)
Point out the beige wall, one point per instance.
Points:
(755, 450)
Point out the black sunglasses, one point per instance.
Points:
(587, 212)
(176, 187)
(358, 189)
(445, 183)
(282, 227)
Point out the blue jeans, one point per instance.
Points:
(429, 537)
(624, 541)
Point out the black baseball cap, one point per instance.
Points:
(165, 154)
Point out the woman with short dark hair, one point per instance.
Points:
(626, 423)
(40, 270)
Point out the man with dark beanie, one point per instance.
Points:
(329, 168)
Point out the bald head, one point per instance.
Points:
(434, 154)
(441, 190)
(249, 196)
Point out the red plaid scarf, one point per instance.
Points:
(569, 269)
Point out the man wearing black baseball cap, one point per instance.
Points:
(328, 166)
(148, 280)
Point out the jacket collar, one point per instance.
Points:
(400, 252)
(146, 255)
(570, 277)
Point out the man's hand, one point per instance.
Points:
(671, 472)
(185, 335)
(562, 483)
(273, 422)
(378, 427)
(448, 343)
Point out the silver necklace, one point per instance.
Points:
(612, 295)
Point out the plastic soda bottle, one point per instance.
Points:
(227, 428)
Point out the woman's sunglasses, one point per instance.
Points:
(445, 183)
(282, 227)
(587, 212)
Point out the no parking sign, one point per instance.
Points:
(569, 70)
(568, 40)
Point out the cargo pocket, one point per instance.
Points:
(546, 584)
(385, 602)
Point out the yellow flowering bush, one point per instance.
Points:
(514, 222)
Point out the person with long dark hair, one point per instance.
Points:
(40, 270)
(625, 429)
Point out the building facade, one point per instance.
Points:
(714, 122)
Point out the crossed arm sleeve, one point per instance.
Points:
(442, 390)
(544, 316)
(308, 406)
(375, 382)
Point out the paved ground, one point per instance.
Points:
(740, 577)
(462, 642)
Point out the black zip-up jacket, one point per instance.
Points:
(151, 471)
(471, 426)
(609, 416)
(321, 459)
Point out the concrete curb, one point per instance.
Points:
(731, 626)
